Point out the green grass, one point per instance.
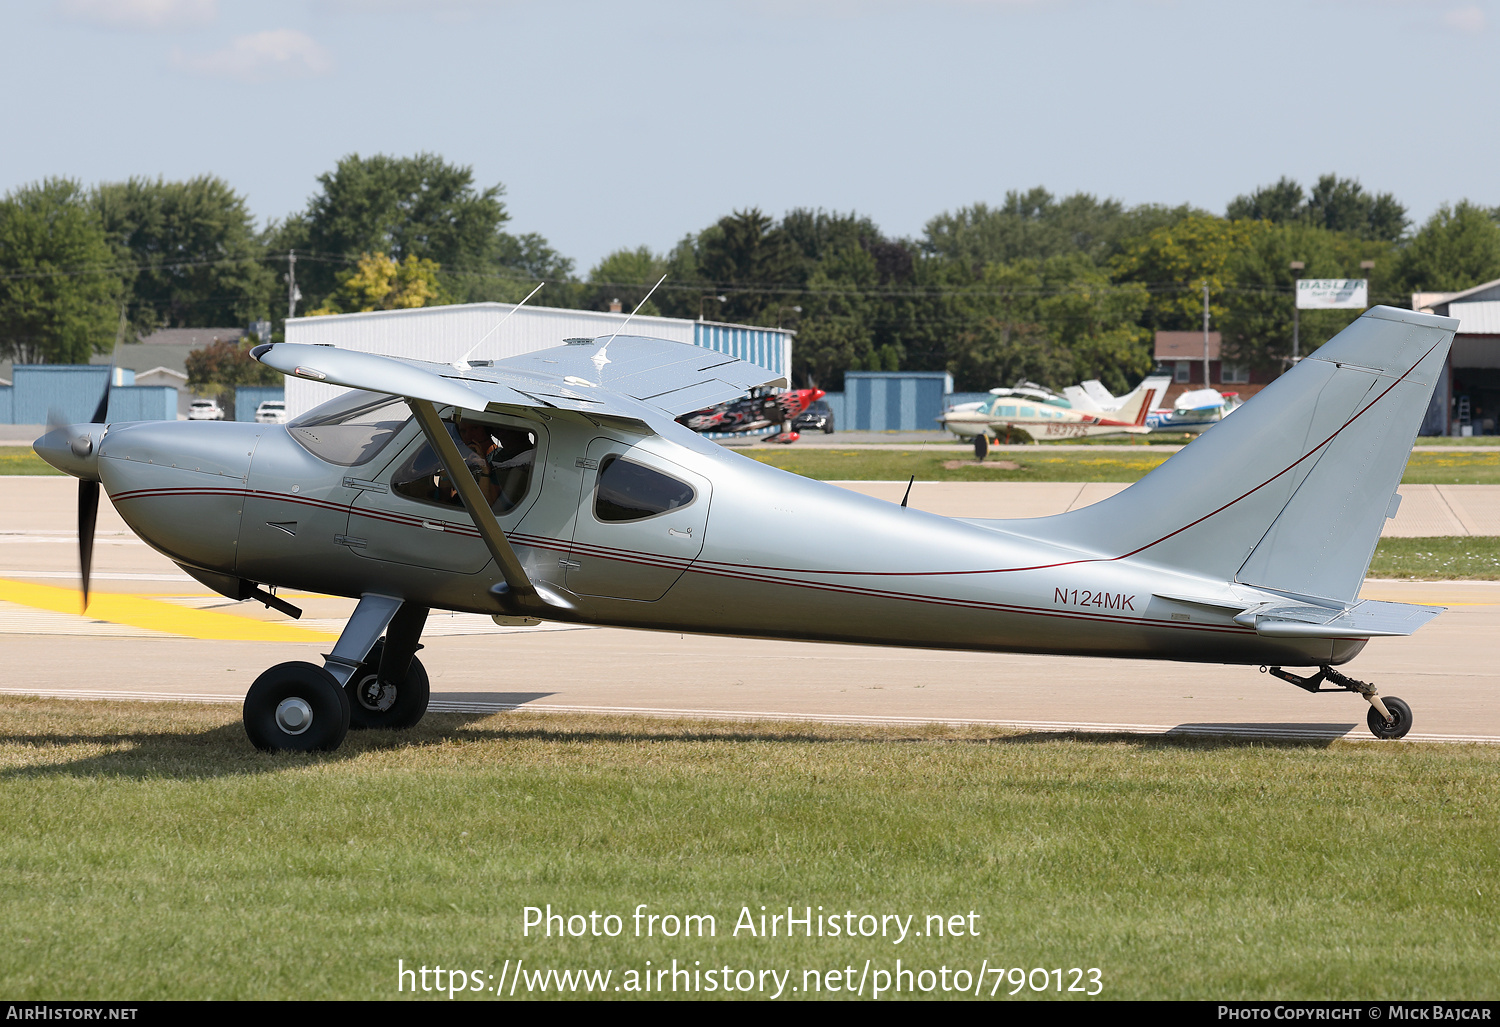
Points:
(149, 853)
(1038, 464)
(22, 460)
(1453, 468)
(1042, 464)
(1436, 559)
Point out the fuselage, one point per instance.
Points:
(756, 552)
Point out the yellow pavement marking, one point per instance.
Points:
(168, 618)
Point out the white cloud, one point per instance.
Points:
(1468, 19)
(143, 14)
(277, 53)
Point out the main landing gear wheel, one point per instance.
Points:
(296, 707)
(1399, 724)
(981, 446)
(374, 703)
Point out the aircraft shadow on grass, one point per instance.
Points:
(222, 752)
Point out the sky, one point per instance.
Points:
(620, 124)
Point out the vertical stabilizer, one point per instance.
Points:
(1290, 493)
(1134, 408)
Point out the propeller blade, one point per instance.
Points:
(101, 412)
(88, 516)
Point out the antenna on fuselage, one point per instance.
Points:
(602, 357)
(462, 363)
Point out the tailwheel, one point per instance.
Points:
(981, 446)
(377, 702)
(296, 707)
(1397, 726)
(1381, 726)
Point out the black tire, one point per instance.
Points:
(319, 693)
(1398, 727)
(828, 428)
(395, 706)
(981, 446)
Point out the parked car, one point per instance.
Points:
(205, 410)
(816, 416)
(272, 411)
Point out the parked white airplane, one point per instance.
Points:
(1044, 415)
(1192, 412)
(1195, 411)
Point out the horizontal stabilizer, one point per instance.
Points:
(1367, 619)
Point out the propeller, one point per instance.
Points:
(82, 446)
(88, 516)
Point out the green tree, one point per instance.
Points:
(196, 258)
(625, 275)
(380, 283)
(1174, 261)
(1256, 321)
(420, 206)
(1036, 225)
(1055, 321)
(1096, 321)
(59, 279)
(216, 369)
(1279, 204)
(756, 264)
(1337, 204)
(836, 332)
(1458, 248)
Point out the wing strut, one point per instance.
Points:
(519, 594)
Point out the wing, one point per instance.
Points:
(629, 377)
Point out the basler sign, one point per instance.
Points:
(1332, 293)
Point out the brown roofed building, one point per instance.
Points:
(1180, 354)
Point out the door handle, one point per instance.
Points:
(680, 534)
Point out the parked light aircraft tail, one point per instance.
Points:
(1134, 408)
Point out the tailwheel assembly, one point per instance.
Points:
(1389, 717)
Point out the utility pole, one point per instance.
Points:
(1207, 378)
(292, 292)
(1296, 266)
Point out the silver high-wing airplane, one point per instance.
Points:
(557, 485)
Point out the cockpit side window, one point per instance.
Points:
(350, 430)
(628, 491)
(499, 456)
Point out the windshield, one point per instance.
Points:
(351, 429)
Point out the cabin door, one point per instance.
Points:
(641, 521)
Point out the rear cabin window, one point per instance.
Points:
(628, 491)
(500, 458)
(350, 430)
